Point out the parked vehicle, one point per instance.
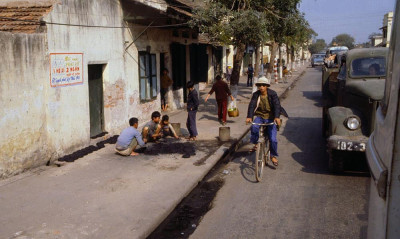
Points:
(383, 150)
(317, 60)
(331, 55)
(331, 67)
(350, 102)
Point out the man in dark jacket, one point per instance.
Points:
(265, 105)
(192, 106)
(221, 95)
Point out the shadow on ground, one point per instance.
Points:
(306, 134)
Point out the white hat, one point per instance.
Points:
(263, 80)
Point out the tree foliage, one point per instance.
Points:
(251, 22)
(343, 40)
(297, 30)
(230, 26)
(318, 46)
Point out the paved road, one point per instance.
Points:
(299, 199)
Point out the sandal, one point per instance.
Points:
(275, 163)
(192, 139)
(253, 149)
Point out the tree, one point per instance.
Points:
(298, 33)
(343, 40)
(232, 22)
(279, 13)
(318, 46)
(243, 22)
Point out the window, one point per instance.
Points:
(147, 76)
(368, 67)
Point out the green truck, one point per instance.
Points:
(350, 100)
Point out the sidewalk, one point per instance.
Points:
(104, 195)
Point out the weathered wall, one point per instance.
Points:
(159, 41)
(40, 122)
(24, 63)
(68, 109)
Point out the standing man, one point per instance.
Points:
(221, 95)
(166, 82)
(129, 139)
(265, 105)
(192, 106)
(250, 73)
(235, 79)
(228, 73)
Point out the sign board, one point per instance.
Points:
(66, 69)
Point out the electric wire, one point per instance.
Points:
(83, 25)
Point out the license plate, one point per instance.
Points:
(350, 146)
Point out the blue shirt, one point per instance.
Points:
(127, 135)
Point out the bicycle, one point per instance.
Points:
(263, 154)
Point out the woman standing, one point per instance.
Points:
(166, 82)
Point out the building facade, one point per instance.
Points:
(74, 71)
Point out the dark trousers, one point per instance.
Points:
(222, 109)
(191, 123)
(250, 80)
(163, 93)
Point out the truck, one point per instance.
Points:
(383, 149)
(350, 103)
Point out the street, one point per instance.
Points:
(299, 199)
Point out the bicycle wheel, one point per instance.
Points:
(259, 161)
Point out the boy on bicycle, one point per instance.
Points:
(265, 106)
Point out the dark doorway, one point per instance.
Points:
(162, 63)
(178, 57)
(198, 63)
(96, 104)
(217, 61)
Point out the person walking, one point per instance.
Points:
(222, 92)
(192, 106)
(250, 73)
(166, 82)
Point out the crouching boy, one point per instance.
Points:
(166, 128)
(152, 129)
(129, 139)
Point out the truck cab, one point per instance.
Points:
(383, 150)
(350, 102)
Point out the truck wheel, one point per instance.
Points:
(336, 162)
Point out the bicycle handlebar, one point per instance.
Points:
(272, 123)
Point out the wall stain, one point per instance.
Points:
(114, 93)
(21, 152)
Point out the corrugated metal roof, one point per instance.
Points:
(22, 19)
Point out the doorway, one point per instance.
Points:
(217, 61)
(198, 63)
(178, 57)
(96, 103)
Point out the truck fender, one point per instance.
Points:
(336, 121)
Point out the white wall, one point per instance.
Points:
(68, 107)
(23, 74)
(40, 122)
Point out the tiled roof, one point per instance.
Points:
(22, 19)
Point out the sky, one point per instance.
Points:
(358, 18)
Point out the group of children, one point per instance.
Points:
(157, 128)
